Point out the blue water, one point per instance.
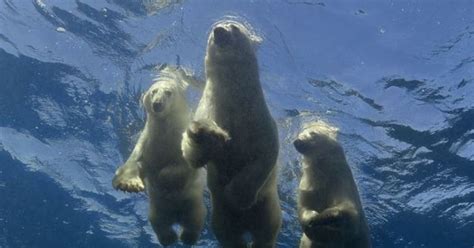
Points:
(396, 77)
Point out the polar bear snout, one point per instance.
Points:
(222, 36)
(158, 107)
(160, 100)
(301, 146)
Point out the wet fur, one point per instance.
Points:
(242, 174)
(156, 164)
(329, 208)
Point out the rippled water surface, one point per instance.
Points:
(396, 77)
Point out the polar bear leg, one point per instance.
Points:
(193, 219)
(244, 188)
(227, 227)
(162, 222)
(127, 178)
(268, 212)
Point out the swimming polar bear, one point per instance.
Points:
(235, 135)
(329, 207)
(156, 164)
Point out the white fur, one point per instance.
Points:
(327, 194)
(242, 177)
(156, 163)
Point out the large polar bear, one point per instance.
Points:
(235, 135)
(329, 208)
(156, 164)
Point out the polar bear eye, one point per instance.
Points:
(168, 93)
(154, 91)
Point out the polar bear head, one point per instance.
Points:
(317, 140)
(167, 94)
(231, 41)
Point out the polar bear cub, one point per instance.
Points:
(156, 164)
(329, 208)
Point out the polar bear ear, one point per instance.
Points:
(142, 100)
(256, 38)
(255, 41)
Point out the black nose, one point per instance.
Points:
(300, 145)
(221, 36)
(157, 107)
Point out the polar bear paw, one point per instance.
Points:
(202, 141)
(127, 179)
(207, 133)
(332, 222)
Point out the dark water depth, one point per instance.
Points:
(396, 78)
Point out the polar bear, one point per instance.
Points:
(329, 207)
(237, 138)
(156, 164)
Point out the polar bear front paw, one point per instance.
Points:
(207, 132)
(127, 179)
(332, 222)
(202, 141)
(307, 217)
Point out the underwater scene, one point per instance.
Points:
(236, 123)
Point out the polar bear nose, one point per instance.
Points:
(301, 146)
(157, 107)
(221, 36)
